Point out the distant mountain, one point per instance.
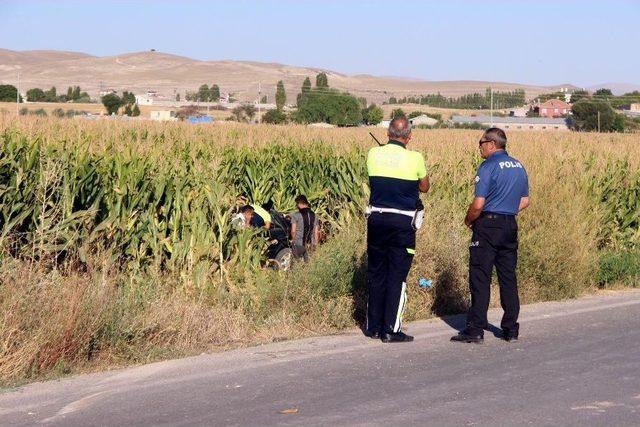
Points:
(169, 74)
(616, 88)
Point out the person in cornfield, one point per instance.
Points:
(305, 229)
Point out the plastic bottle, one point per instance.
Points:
(425, 283)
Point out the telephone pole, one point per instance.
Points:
(18, 96)
(491, 106)
(598, 121)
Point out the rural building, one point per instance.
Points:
(384, 124)
(107, 91)
(515, 123)
(518, 112)
(163, 115)
(423, 119)
(635, 107)
(553, 108)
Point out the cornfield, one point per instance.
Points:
(131, 222)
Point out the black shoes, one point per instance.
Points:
(372, 334)
(464, 336)
(395, 337)
(510, 337)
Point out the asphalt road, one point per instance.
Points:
(577, 363)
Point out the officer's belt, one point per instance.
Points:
(371, 209)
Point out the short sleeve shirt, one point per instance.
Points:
(394, 173)
(296, 218)
(502, 180)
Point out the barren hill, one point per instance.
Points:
(169, 74)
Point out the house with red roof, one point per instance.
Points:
(553, 108)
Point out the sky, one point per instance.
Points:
(535, 42)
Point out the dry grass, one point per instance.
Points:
(70, 316)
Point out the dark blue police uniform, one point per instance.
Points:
(502, 181)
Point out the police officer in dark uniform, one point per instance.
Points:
(396, 176)
(502, 191)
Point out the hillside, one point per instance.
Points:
(168, 74)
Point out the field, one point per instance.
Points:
(116, 245)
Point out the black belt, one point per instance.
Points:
(492, 215)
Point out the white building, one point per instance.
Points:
(163, 115)
(423, 119)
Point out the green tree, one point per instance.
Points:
(306, 88)
(35, 95)
(128, 111)
(372, 115)
(587, 114)
(281, 96)
(136, 111)
(603, 93)
(275, 117)
(58, 112)
(322, 81)
(69, 93)
(51, 95)
(112, 103)
(76, 94)
(128, 98)
(178, 97)
(329, 106)
(397, 112)
(203, 93)
(263, 100)
(214, 93)
(578, 95)
(9, 93)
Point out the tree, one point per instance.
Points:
(191, 96)
(128, 111)
(329, 106)
(281, 95)
(398, 112)
(263, 100)
(76, 94)
(603, 93)
(586, 118)
(238, 113)
(214, 93)
(393, 100)
(178, 97)
(51, 95)
(69, 93)
(304, 91)
(136, 111)
(58, 112)
(579, 94)
(36, 95)
(322, 80)
(128, 98)
(8, 93)
(372, 115)
(112, 103)
(275, 117)
(203, 93)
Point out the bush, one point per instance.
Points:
(41, 112)
(274, 116)
(619, 268)
(58, 112)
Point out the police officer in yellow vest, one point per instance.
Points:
(396, 176)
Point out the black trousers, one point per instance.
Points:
(494, 242)
(391, 241)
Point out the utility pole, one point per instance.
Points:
(491, 106)
(259, 100)
(18, 96)
(598, 121)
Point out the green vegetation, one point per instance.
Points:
(472, 101)
(275, 117)
(112, 103)
(372, 115)
(281, 96)
(117, 247)
(323, 104)
(74, 94)
(596, 116)
(8, 93)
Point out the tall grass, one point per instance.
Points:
(116, 245)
